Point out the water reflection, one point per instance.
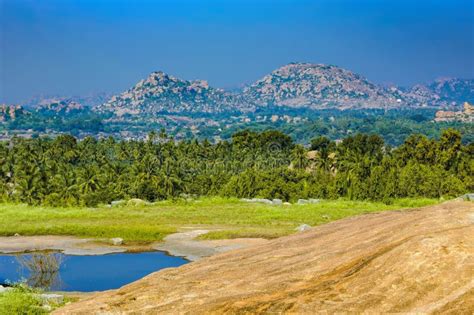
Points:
(60, 272)
(42, 269)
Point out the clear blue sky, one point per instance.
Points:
(75, 47)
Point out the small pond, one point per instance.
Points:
(59, 272)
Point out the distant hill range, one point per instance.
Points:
(296, 85)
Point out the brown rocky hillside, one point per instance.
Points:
(417, 261)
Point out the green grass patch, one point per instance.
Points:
(152, 222)
(22, 299)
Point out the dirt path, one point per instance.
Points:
(66, 244)
(420, 260)
(185, 245)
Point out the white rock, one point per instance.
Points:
(303, 201)
(262, 200)
(287, 204)
(4, 289)
(118, 203)
(47, 308)
(303, 227)
(314, 201)
(50, 297)
(277, 202)
(116, 241)
(468, 197)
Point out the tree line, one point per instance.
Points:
(65, 171)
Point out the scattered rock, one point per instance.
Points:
(4, 289)
(432, 257)
(257, 200)
(116, 241)
(52, 298)
(314, 201)
(468, 197)
(47, 308)
(16, 234)
(116, 203)
(136, 202)
(303, 201)
(265, 201)
(287, 204)
(303, 227)
(277, 202)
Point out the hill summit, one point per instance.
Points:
(320, 86)
(164, 93)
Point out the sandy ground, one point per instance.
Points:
(416, 261)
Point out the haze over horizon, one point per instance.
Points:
(78, 47)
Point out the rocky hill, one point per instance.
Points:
(66, 106)
(296, 85)
(88, 100)
(321, 86)
(418, 261)
(163, 93)
(452, 91)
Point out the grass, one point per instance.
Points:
(152, 222)
(22, 299)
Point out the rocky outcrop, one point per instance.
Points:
(320, 86)
(163, 93)
(10, 112)
(466, 115)
(413, 261)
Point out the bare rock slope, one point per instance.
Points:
(420, 260)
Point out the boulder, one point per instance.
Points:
(4, 289)
(116, 203)
(468, 197)
(136, 202)
(262, 200)
(277, 202)
(303, 202)
(257, 200)
(52, 298)
(116, 241)
(287, 204)
(314, 201)
(16, 234)
(303, 227)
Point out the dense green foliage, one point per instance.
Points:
(65, 171)
(394, 126)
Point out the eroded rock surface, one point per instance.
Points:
(409, 261)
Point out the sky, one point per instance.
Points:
(79, 47)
